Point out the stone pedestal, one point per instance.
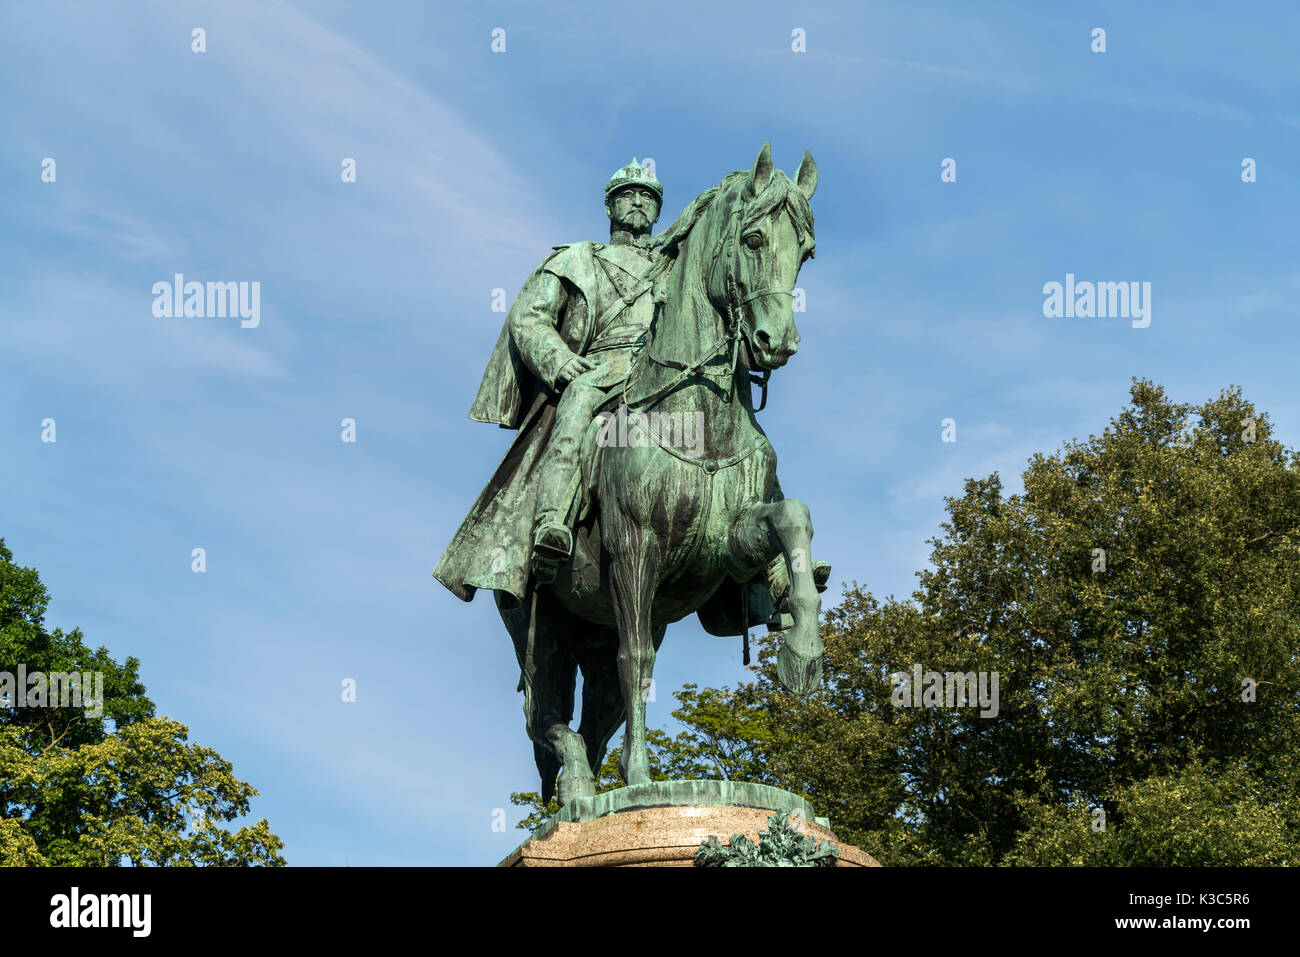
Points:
(663, 824)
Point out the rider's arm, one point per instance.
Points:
(533, 321)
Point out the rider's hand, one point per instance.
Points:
(574, 368)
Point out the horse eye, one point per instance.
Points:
(754, 240)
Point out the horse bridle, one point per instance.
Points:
(734, 324)
(731, 241)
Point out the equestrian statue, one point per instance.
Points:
(594, 539)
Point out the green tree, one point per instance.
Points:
(78, 788)
(1137, 602)
(1193, 817)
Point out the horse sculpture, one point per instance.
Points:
(663, 529)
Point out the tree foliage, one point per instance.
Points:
(123, 786)
(1138, 603)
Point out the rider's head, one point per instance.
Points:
(633, 197)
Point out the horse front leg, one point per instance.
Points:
(769, 529)
(634, 574)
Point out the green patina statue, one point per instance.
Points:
(640, 487)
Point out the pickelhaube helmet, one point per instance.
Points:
(634, 174)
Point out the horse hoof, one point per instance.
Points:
(640, 774)
(798, 674)
(577, 785)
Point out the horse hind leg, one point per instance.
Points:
(548, 674)
(785, 528)
(602, 699)
(576, 778)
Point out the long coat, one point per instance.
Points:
(493, 546)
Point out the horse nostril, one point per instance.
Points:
(764, 340)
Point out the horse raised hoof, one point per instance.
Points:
(799, 674)
(821, 573)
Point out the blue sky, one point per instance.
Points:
(924, 302)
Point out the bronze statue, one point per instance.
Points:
(594, 539)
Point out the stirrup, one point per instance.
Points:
(553, 541)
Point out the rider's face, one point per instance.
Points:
(634, 208)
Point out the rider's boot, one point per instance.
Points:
(552, 539)
(821, 572)
(778, 578)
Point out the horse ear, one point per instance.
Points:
(761, 174)
(807, 178)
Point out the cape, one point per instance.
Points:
(493, 547)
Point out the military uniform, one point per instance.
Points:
(609, 279)
(591, 300)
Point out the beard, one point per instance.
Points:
(635, 221)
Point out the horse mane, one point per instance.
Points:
(780, 190)
(671, 238)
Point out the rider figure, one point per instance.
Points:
(609, 277)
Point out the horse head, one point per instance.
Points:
(767, 239)
(726, 278)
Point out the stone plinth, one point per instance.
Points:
(663, 824)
